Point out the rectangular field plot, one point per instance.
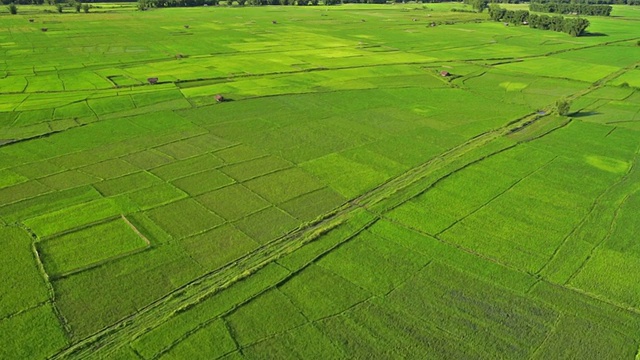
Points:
(233, 202)
(269, 314)
(284, 185)
(180, 150)
(46, 203)
(187, 167)
(254, 168)
(22, 191)
(109, 169)
(148, 159)
(267, 224)
(348, 177)
(33, 334)
(68, 179)
(20, 274)
(81, 249)
(373, 263)
(156, 195)
(213, 340)
(561, 68)
(239, 153)
(127, 183)
(320, 293)
(183, 218)
(296, 343)
(218, 247)
(203, 182)
(51, 223)
(309, 206)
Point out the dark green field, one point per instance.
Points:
(346, 200)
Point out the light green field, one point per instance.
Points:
(344, 201)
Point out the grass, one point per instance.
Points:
(344, 201)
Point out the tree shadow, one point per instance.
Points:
(580, 114)
(593, 34)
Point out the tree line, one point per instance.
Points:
(571, 26)
(586, 2)
(146, 4)
(577, 9)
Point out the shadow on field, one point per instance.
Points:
(581, 114)
(593, 34)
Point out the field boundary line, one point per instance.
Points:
(66, 329)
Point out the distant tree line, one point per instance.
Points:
(591, 2)
(577, 9)
(571, 26)
(146, 4)
(587, 2)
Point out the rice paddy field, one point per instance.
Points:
(346, 200)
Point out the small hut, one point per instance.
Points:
(152, 80)
(444, 73)
(219, 98)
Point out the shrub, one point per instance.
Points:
(59, 8)
(85, 8)
(13, 9)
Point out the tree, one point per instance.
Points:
(13, 9)
(576, 26)
(77, 5)
(85, 8)
(479, 5)
(59, 8)
(496, 12)
(563, 106)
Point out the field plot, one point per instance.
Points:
(80, 249)
(375, 181)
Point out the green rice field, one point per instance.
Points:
(380, 182)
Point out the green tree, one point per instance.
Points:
(77, 5)
(479, 5)
(563, 106)
(85, 8)
(13, 9)
(59, 8)
(496, 12)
